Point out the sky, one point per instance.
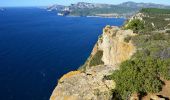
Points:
(15, 3)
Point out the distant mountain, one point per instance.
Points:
(84, 5)
(142, 5)
(56, 7)
(126, 9)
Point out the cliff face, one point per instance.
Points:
(115, 49)
(114, 46)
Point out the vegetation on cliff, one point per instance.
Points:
(155, 11)
(153, 20)
(97, 59)
(140, 76)
(146, 71)
(143, 72)
(136, 25)
(150, 65)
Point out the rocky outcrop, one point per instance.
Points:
(91, 84)
(116, 45)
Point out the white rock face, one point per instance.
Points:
(115, 49)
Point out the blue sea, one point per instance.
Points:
(37, 47)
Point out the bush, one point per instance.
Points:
(136, 25)
(158, 36)
(140, 76)
(96, 59)
(155, 11)
(168, 31)
(127, 39)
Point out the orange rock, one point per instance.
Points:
(68, 75)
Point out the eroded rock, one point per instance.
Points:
(90, 85)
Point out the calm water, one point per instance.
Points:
(37, 47)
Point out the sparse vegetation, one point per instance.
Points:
(127, 39)
(140, 76)
(168, 31)
(143, 73)
(96, 59)
(155, 11)
(136, 25)
(156, 19)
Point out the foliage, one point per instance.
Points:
(96, 59)
(143, 72)
(158, 36)
(154, 19)
(136, 25)
(155, 11)
(168, 26)
(167, 31)
(152, 45)
(127, 39)
(140, 76)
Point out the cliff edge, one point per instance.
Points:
(124, 65)
(89, 82)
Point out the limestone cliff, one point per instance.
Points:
(112, 47)
(115, 45)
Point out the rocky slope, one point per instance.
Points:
(90, 83)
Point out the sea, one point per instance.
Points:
(37, 47)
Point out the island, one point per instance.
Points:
(131, 62)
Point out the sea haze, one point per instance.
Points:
(37, 47)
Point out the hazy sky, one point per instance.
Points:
(67, 2)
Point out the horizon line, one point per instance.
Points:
(82, 2)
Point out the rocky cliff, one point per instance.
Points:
(89, 83)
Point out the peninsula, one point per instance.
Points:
(131, 62)
(123, 10)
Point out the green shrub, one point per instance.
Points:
(155, 11)
(96, 59)
(158, 36)
(136, 25)
(127, 39)
(151, 45)
(140, 76)
(168, 31)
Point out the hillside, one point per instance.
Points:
(126, 9)
(127, 63)
(143, 5)
(154, 20)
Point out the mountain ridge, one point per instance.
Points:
(125, 9)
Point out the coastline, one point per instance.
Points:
(95, 16)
